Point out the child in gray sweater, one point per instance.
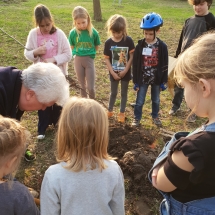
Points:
(86, 180)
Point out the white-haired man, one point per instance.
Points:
(35, 88)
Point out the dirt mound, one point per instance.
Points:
(135, 152)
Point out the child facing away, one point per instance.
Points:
(150, 67)
(118, 53)
(15, 197)
(49, 44)
(193, 27)
(84, 41)
(186, 176)
(86, 180)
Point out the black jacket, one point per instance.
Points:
(194, 27)
(161, 75)
(10, 87)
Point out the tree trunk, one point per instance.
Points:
(97, 10)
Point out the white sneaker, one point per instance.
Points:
(191, 118)
(40, 137)
(173, 112)
(136, 122)
(33, 192)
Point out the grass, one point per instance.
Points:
(16, 20)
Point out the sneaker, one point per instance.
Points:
(132, 104)
(110, 114)
(191, 118)
(33, 192)
(173, 111)
(29, 156)
(136, 122)
(40, 137)
(156, 121)
(121, 117)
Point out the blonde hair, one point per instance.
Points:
(81, 12)
(82, 137)
(13, 139)
(198, 61)
(117, 23)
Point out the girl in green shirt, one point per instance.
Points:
(84, 41)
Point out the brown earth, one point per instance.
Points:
(135, 151)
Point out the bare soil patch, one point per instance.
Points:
(135, 151)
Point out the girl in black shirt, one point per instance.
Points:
(187, 175)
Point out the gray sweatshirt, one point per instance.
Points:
(16, 200)
(64, 192)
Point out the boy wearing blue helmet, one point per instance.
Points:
(150, 67)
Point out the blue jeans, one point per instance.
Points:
(197, 207)
(141, 95)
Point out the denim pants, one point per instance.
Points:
(178, 96)
(170, 206)
(140, 100)
(197, 207)
(124, 94)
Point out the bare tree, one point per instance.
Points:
(97, 10)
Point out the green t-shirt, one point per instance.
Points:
(83, 44)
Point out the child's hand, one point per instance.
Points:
(50, 60)
(116, 76)
(163, 87)
(136, 87)
(40, 51)
(121, 74)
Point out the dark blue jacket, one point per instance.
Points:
(161, 75)
(10, 87)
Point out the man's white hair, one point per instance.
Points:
(47, 81)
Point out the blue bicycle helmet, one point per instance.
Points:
(151, 21)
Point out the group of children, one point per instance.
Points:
(47, 43)
(87, 180)
(148, 60)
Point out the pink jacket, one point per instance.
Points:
(63, 56)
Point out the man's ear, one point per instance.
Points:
(205, 87)
(29, 94)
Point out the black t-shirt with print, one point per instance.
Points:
(119, 55)
(150, 63)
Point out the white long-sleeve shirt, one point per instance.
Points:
(93, 192)
(64, 53)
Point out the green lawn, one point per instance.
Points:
(16, 20)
